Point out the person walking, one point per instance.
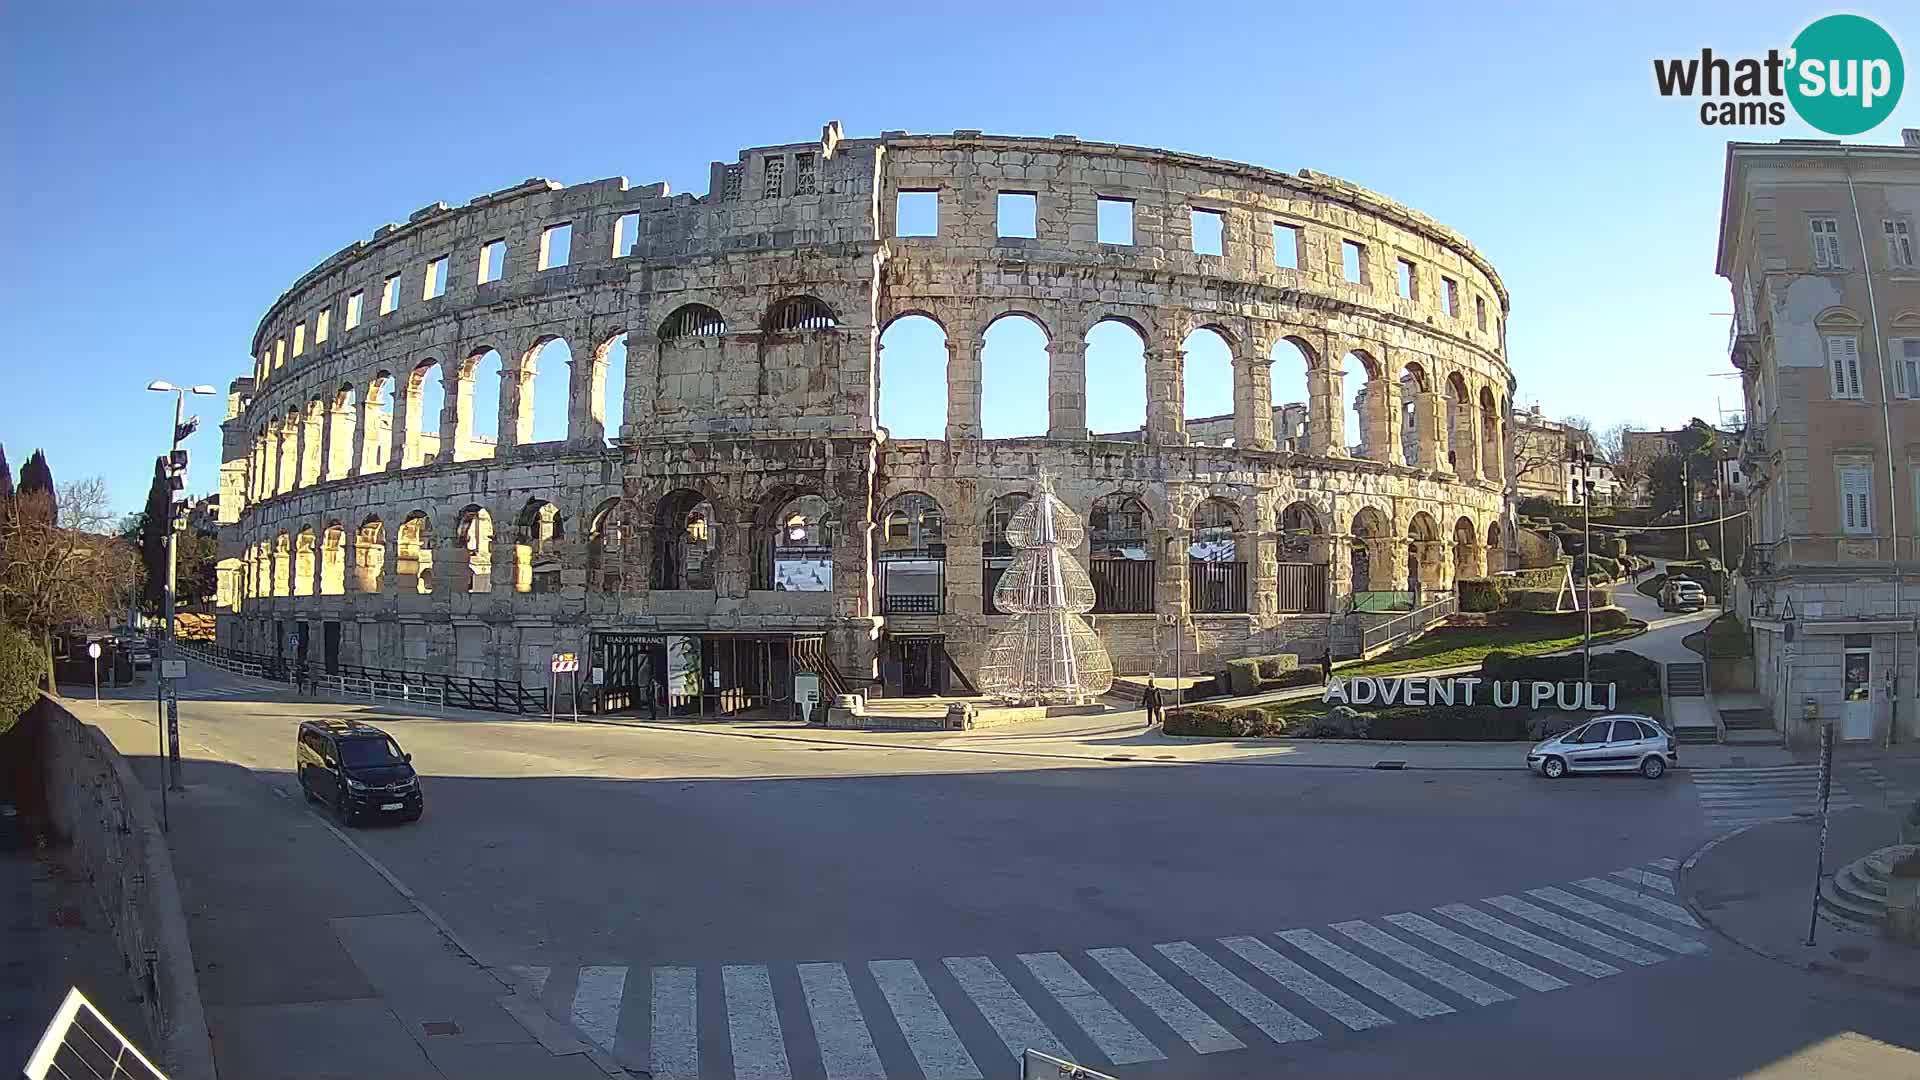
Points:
(1150, 697)
(1326, 667)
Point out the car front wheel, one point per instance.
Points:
(1553, 768)
(1653, 768)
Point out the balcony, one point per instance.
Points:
(1753, 446)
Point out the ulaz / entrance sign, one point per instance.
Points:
(1568, 697)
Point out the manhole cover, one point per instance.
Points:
(1849, 954)
(439, 1027)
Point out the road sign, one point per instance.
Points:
(565, 661)
(173, 669)
(806, 694)
(93, 649)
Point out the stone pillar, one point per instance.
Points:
(341, 445)
(1253, 401)
(1067, 388)
(1383, 421)
(516, 408)
(405, 404)
(1261, 551)
(1170, 570)
(852, 584)
(313, 433)
(733, 556)
(1465, 436)
(323, 464)
(1326, 412)
(963, 387)
(1429, 416)
(586, 383)
(1386, 569)
(287, 475)
(1166, 397)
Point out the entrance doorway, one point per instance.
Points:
(1856, 710)
(916, 665)
(330, 645)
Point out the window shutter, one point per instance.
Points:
(1855, 508)
(1850, 347)
(1906, 353)
(1837, 365)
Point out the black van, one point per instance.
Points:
(356, 769)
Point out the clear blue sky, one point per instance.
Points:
(166, 170)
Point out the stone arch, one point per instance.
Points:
(1496, 557)
(483, 377)
(413, 552)
(538, 535)
(304, 555)
(1462, 441)
(606, 388)
(1300, 533)
(370, 555)
(1419, 417)
(475, 530)
(1293, 369)
(911, 384)
(343, 418)
(1214, 529)
(333, 560)
(1016, 375)
(1116, 378)
(282, 564)
(798, 314)
(910, 555)
(692, 320)
(1468, 557)
(312, 426)
(686, 546)
(1492, 454)
(426, 401)
(1370, 551)
(1426, 555)
(792, 543)
(911, 521)
(607, 535)
(1207, 385)
(539, 396)
(376, 422)
(1365, 410)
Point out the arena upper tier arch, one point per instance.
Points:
(751, 510)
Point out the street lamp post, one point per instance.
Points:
(176, 474)
(1583, 461)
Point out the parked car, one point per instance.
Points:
(1618, 743)
(356, 770)
(1682, 594)
(139, 652)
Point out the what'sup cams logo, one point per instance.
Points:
(1842, 75)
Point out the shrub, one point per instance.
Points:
(1341, 722)
(1615, 547)
(1243, 676)
(1273, 667)
(1597, 568)
(1535, 599)
(1537, 506)
(1483, 594)
(23, 662)
(1256, 674)
(1635, 675)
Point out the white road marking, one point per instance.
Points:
(1580, 932)
(1018, 1026)
(1324, 995)
(1646, 877)
(1533, 943)
(676, 1019)
(1665, 909)
(1668, 865)
(1260, 1010)
(1626, 924)
(1493, 959)
(1119, 1040)
(596, 1002)
(935, 1045)
(1416, 1002)
(1173, 1008)
(534, 975)
(759, 1049)
(1471, 987)
(846, 1046)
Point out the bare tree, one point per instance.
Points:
(1613, 442)
(65, 572)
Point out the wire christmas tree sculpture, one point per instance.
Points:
(1046, 654)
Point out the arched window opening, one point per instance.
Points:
(546, 402)
(1207, 383)
(481, 380)
(536, 552)
(1461, 443)
(912, 383)
(692, 320)
(476, 535)
(912, 556)
(1424, 557)
(1370, 558)
(1292, 395)
(995, 553)
(1466, 550)
(1492, 460)
(413, 553)
(370, 556)
(1496, 551)
(1014, 379)
(313, 425)
(798, 314)
(426, 400)
(342, 423)
(376, 439)
(282, 565)
(685, 542)
(794, 547)
(612, 390)
(606, 539)
(1418, 443)
(1120, 554)
(333, 560)
(1216, 578)
(1365, 401)
(1116, 381)
(303, 562)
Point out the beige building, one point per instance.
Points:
(1817, 241)
(1543, 449)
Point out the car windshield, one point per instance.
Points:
(369, 750)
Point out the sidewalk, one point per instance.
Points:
(311, 964)
(1755, 886)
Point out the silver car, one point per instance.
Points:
(1608, 744)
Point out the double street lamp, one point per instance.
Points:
(176, 471)
(1582, 462)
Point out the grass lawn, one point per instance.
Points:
(1457, 646)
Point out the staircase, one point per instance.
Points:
(1749, 727)
(1693, 721)
(1686, 680)
(1856, 897)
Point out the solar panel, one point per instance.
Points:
(80, 1044)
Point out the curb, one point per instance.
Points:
(1800, 963)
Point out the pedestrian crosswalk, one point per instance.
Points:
(970, 1017)
(1749, 796)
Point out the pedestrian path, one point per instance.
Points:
(233, 691)
(1730, 797)
(970, 1017)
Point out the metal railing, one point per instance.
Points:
(372, 689)
(1216, 588)
(348, 680)
(1400, 627)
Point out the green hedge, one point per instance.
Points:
(1258, 674)
(1537, 506)
(1634, 674)
(1484, 594)
(1535, 599)
(23, 662)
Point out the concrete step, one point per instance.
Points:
(1845, 911)
(1850, 883)
(1751, 738)
(1746, 719)
(1696, 736)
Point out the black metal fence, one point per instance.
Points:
(1303, 588)
(1216, 588)
(492, 695)
(1122, 586)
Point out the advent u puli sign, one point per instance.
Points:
(1512, 694)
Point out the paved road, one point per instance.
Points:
(716, 906)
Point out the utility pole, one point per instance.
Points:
(176, 470)
(1686, 509)
(1583, 461)
(1720, 489)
